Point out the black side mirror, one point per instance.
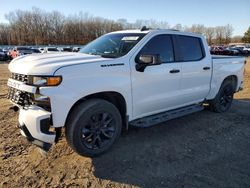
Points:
(147, 60)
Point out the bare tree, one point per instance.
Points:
(220, 34)
(236, 39)
(197, 28)
(209, 34)
(40, 27)
(228, 33)
(4, 34)
(178, 27)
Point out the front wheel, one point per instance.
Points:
(223, 100)
(93, 127)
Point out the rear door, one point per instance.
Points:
(196, 68)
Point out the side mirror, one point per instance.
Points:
(147, 60)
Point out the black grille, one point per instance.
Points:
(20, 77)
(19, 97)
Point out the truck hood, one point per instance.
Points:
(47, 64)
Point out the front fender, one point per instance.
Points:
(83, 80)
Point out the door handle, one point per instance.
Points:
(206, 68)
(174, 71)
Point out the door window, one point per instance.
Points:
(189, 48)
(160, 45)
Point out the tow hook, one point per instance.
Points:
(14, 108)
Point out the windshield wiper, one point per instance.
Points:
(104, 55)
(95, 53)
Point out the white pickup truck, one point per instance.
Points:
(135, 77)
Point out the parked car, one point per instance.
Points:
(138, 78)
(232, 51)
(41, 50)
(6, 50)
(244, 50)
(217, 50)
(76, 49)
(67, 49)
(35, 50)
(3, 55)
(20, 50)
(50, 50)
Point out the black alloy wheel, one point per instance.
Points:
(98, 131)
(93, 127)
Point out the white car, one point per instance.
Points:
(243, 48)
(134, 77)
(50, 50)
(41, 50)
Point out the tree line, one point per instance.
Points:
(39, 27)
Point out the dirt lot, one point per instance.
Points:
(200, 150)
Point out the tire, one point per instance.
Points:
(223, 100)
(93, 126)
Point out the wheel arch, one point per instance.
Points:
(216, 85)
(117, 99)
(233, 79)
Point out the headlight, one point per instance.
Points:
(46, 80)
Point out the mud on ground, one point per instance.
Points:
(204, 149)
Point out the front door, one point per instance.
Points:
(156, 89)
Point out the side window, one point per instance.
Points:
(190, 48)
(162, 45)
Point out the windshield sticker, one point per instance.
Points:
(130, 38)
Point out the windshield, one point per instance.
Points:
(113, 45)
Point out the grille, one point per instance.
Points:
(20, 77)
(19, 97)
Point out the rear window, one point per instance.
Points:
(190, 48)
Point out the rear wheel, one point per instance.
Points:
(93, 127)
(223, 100)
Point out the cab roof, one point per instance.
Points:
(150, 30)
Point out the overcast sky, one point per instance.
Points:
(185, 12)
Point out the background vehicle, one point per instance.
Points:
(3, 55)
(217, 50)
(41, 50)
(76, 49)
(35, 50)
(137, 77)
(20, 50)
(67, 49)
(50, 50)
(243, 49)
(230, 50)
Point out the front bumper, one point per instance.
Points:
(35, 123)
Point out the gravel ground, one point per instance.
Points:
(204, 149)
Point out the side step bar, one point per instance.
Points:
(165, 116)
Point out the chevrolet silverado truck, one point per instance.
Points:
(134, 77)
